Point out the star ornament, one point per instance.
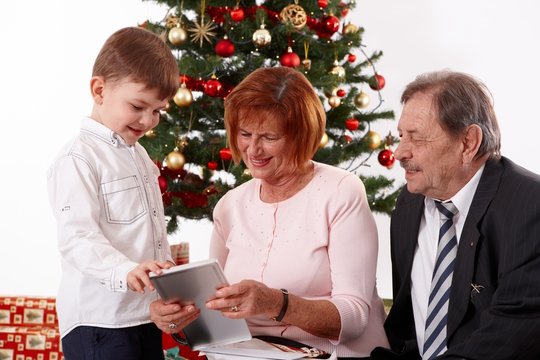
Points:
(203, 31)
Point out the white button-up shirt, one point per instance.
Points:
(108, 207)
(426, 250)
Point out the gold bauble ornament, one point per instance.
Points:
(246, 172)
(334, 101)
(362, 100)
(324, 140)
(350, 29)
(295, 14)
(373, 140)
(177, 35)
(338, 70)
(183, 96)
(306, 63)
(175, 160)
(262, 37)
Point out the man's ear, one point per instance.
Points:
(471, 143)
(97, 85)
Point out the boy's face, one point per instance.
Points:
(126, 107)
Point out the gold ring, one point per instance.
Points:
(172, 326)
(234, 308)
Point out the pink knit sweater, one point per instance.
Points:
(319, 244)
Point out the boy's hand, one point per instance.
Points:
(138, 278)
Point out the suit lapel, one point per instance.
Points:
(406, 238)
(468, 243)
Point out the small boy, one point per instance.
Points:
(104, 192)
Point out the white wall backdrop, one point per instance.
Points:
(47, 51)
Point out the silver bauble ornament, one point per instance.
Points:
(262, 37)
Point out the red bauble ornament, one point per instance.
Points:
(212, 165)
(345, 9)
(237, 14)
(351, 58)
(198, 84)
(341, 93)
(312, 23)
(347, 139)
(225, 90)
(225, 154)
(329, 24)
(377, 82)
(162, 184)
(224, 47)
(351, 124)
(322, 3)
(386, 158)
(212, 87)
(290, 58)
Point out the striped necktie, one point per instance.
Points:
(437, 314)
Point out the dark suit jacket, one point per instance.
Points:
(499, 253)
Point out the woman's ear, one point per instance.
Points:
(471, 143)
(97, 85)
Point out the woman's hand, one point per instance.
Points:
(246, 299)
(172, 317)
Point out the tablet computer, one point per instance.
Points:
(195, 283)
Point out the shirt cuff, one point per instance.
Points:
(119, 276)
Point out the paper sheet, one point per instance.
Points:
(253, 348)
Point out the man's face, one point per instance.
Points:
(432, 159)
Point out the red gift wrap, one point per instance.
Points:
(29, 329)
(28, 311)
(30, 343)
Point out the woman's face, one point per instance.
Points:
(264, 150)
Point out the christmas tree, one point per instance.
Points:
(218, 43)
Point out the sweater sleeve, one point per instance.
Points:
(352, 251)
(218, 248)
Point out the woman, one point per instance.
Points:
(298, 242)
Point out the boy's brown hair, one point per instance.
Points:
(140, 55)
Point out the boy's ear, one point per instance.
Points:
(97, 84)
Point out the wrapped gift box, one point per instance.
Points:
(28, 311)
(180, 253)
(30, 343)
(175, 351)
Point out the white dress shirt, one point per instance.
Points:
(426, 250)
(109, 212)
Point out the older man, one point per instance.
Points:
(465, 233)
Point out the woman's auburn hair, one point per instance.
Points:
(277, 94)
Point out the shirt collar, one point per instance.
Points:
(463, 198)
(97, 129)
